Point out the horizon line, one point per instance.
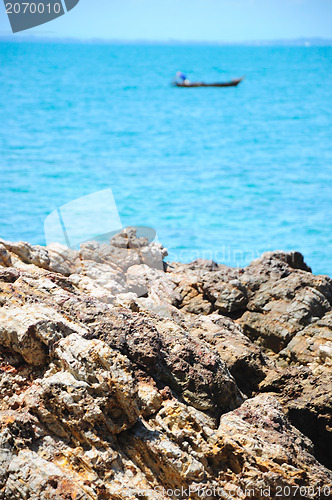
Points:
(35, 37)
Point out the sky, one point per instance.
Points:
(188, 20)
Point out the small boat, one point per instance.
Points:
(232, 83)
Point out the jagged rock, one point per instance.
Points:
(9, 275)
(153, 255)
(27, 253)
(173, 358)
(294, 259)
(259, 437)
(122, 377)
(245, 360)
(227, 297)
(282, 302)
(30, 476)
(312, 344)
(305, 394)
(32, 330)
(5, 258)
(63, 260)
(126, 250)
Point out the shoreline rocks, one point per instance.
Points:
(123, 376)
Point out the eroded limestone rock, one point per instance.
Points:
(123, 377)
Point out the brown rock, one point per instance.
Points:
(305, 395)
(108, 395)
(245, 360)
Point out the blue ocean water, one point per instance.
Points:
(221, 173)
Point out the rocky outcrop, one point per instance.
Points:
(122, 376)
(305, 395)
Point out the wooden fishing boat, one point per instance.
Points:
(232, 83)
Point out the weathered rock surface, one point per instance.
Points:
(305, 395)
(125, 377)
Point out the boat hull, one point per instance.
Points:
(232, 83)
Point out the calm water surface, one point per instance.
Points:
(223, 173)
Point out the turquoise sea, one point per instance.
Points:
(221, 173)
